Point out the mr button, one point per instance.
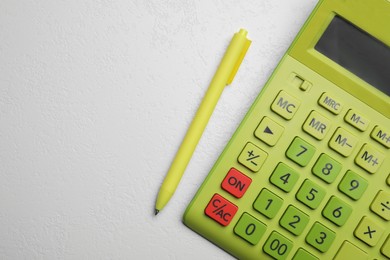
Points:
(285, 105)
(221, 210)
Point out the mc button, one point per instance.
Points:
(285, 105)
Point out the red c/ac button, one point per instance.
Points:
(236, 183)
(221, 210)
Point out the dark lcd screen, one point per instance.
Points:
(358, 52)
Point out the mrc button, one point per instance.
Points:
(330, 103)
(221, 210)
(236, 183)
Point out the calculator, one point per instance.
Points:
(306, 175)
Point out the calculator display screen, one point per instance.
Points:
(358, 52)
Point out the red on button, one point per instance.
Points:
(236, 183)
(221, 210)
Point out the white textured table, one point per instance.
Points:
(95, 97)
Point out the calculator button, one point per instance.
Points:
(252, 157)
(368, 231)
(385, 250)
(236, 183)
(302, 254)
(267, 203)
(369, 158)
(221, 210)
(310, 194)
(250, 228)
(269, 131)
(381, 205)
(277, 246)
(337, 211)
(330, 103)
(316, 125)
(320, 237)
(357, 120)
(285, 105)
(381, 135)
(343, 142)
(300, 151)
(326, 168)
(294, 220)
(353, 185)
(348, 250)
(284, 177)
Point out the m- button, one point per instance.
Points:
(269, 131)
(343, 142)
(285, 105)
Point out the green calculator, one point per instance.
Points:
(307, 173)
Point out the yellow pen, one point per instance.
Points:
(224, 75)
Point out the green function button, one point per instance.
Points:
(343, 142)
(357, 120)
(277, 246)
(326, 168)
(267, 203)
(250, 228)
(316, 125)
(330, 103)
(320, 237)
(381, 135)
(269, 131)
(285, 105)
(300, 151)
(348, 250)
(369, 231)
(302, 254)
(337, 211)
(284, 177)
(369, 158)
(381, 205)
(294, 220)
(353, 185)
(310, 194)
(252, 157)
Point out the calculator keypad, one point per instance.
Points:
(308, 194)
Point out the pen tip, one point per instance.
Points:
(156, 211)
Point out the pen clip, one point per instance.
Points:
(239, 61)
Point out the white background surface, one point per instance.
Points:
(95, 97)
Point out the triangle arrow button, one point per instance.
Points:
(268, 130)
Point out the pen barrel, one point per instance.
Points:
(221, 78)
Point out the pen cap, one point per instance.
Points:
(240, 43)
